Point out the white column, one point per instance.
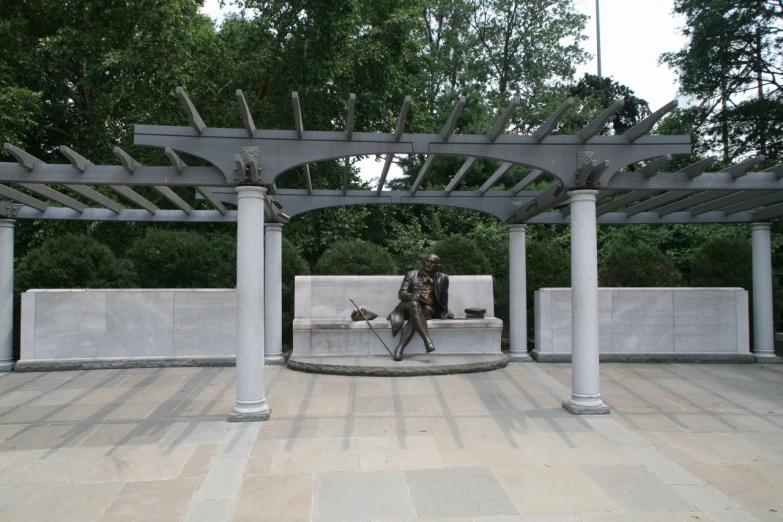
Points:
(763, 322)
(273, 295)
(251, 403)
(517, 294)
(6, 295)
(585, 382)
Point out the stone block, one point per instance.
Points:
(27, 333)
(139, 324)
(356, 497)
(705, 321)
(641, 321)
(70, 324)
(561, 321)
(205, 322)
(543, 321)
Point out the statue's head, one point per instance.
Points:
(431, 264)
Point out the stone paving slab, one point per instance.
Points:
(694, 443)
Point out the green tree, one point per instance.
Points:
(460, 255)
(174, 259)
(355, 258)
(640, 265)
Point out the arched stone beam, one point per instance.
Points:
(298, 201)
(279, 151)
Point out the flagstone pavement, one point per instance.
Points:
(683, 443)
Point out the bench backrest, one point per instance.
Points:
(328, 296)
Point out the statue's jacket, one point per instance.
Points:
(414, 282)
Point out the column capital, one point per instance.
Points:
(582, 194)
(250, 191)
(517, 227)
(273, 227)
(7, 223)
(761, 225)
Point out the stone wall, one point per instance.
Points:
(648, 321)
(126, 324)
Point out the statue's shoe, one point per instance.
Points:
(430, 347)
(397, 355)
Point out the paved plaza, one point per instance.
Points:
(684, 442)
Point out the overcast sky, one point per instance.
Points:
(634, 33)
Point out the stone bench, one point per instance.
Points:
(323, 326)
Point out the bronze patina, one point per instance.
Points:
(424, 294)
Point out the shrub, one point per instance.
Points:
(355, 258)
(460, 255)
(548, 266)
(174, 259)
(723, 262)
(624, 265)
(73, 261)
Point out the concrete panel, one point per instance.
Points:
(302, 303)
(205, 322)
(605, 321)
(743, 322)
(27, 331)
(339, 342)
(139, 324)
(484, 295)
(641, 321)
(543, 321)
(705, 321)
(70, 324)
(561, 321)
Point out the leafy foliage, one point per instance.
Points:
(293, 265)
(355, 258)
(73, 261)
(460, 255)
(723, 262)
(174, 259)
(624, 265)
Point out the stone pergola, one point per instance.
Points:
(591, 185)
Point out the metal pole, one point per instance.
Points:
(598, 33)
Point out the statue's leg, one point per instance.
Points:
(405, 337)
(419, 322)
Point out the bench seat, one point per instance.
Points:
(322, 325)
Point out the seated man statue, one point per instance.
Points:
(424, 294)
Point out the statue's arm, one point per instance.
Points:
(404, 294)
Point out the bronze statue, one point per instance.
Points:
(424, 294)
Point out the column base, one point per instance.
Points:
(277, 359)
(236, 416)
(519, 357)
(6, 367)
(578, 409)
(768, 359)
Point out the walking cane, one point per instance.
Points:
(373, 329)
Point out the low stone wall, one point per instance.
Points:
(650, 324)
(170, 326)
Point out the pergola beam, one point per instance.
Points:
(451, 123)
(719, 203)
(297, 114)
(757, 202)
(209, 196)
(595, 126)
(691, 201)
(52, 194)
(770, 212)
(346, 174)
(24, 159)
(351, 115)
(423, 172)
(400, 128)
(534, 176)
(500, 125)
(553, 196)
(646, 125)
(134, 197)
(175, 160)
(697, 169)
(656, 202)
(621, 201)
(495, 177)
(128, 163)
(78, 161)
(654, 167)
(15, 195)
(741, 169)
(193, 116)
(549, 125)
(177, 201)
(461, 173)
(244, 110)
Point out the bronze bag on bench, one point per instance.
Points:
(356, 316)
